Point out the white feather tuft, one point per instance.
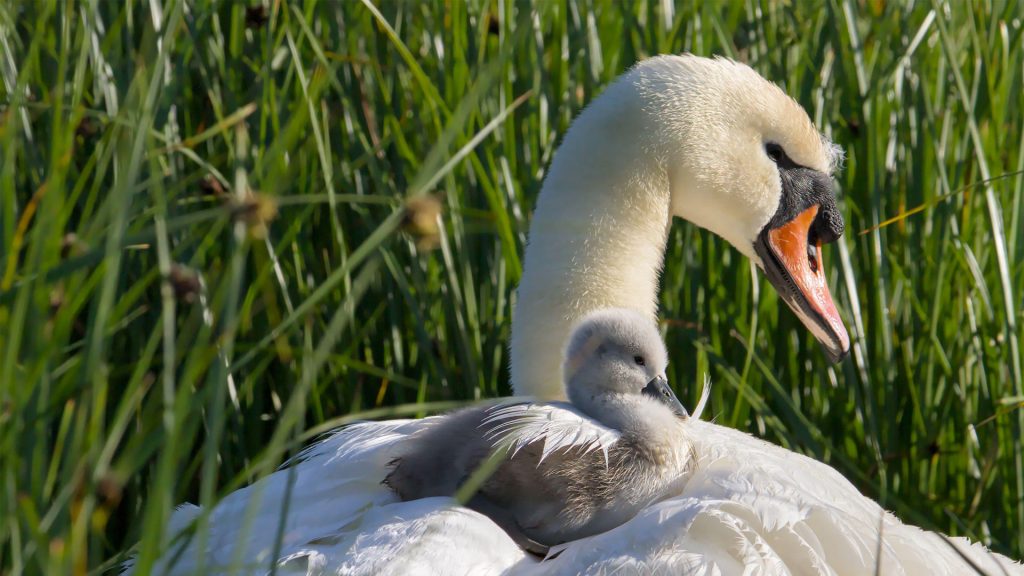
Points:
(705, 392)
(558, 425)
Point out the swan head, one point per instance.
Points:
(706, 140)
(616, 353)
(744, 161)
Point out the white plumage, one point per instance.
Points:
(749, 507)
(559, 425)
(676, 136)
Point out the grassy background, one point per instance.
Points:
(218, 238)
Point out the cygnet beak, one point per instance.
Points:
(660, 391)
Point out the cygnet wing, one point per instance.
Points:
(558, 425)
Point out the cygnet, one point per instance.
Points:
(566, 471)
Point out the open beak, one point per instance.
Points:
(792, 262)
(659, 389)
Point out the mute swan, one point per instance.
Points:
(707, 140)
(568, 470)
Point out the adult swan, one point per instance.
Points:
(706, 140)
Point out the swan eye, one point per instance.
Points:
(639, 360)
(774, 151)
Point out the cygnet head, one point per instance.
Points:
(613, 354)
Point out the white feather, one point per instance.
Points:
(705, 393)
(558, 425)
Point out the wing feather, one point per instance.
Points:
(558, 425)
(705, 392)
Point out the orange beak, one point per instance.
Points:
(792, 261)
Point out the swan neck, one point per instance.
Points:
(597, 240)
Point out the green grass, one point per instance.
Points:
(208, 255)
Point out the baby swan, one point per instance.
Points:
(567, 470)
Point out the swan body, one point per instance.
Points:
(568, 470)
(707, 140)
(747, 507)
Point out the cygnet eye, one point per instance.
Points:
(639, 360)
(774, 151)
